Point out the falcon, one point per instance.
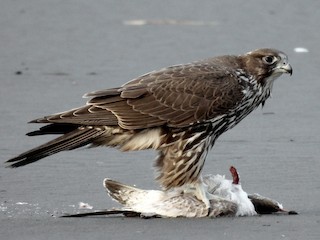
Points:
(180, 111)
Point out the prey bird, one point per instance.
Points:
(226, 198)
(179, 111)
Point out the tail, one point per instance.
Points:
(74, 137)
(129, 196)
(122, 193)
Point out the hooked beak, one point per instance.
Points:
(286, 68)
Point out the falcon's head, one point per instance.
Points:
(266, 64)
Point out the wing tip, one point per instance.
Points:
(39, 120)
(18, 162)
(9, 165)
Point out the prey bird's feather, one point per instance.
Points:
(226, 198)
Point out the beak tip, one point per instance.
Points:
(288, 69)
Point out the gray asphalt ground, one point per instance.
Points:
(52, 52)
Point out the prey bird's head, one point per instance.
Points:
(266, 63)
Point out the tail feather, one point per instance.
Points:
(120, 192)
(129, 196)
(55, 128)
(74, 139)
(75, 136)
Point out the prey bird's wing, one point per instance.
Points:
(126, 213)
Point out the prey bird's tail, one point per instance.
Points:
(123, 194)
(74, 137)
(135, 199)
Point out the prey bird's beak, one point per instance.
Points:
(286, 68)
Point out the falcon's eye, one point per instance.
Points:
(269, 59)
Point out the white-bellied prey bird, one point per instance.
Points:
(180, 111)
(226, 198)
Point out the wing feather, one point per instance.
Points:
(177, 96)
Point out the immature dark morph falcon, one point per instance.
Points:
(179, 111)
